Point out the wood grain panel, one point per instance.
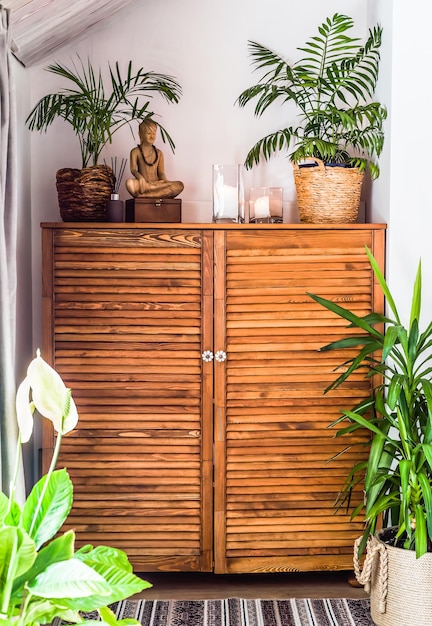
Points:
(127, 337)
(276, 496)
(173, 455)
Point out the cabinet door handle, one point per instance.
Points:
(207, 356)
(220, 356)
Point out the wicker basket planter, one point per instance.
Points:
(83, 194)
(399, 584)
(328, 194)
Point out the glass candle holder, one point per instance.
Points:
(228, 193)
(266, 205)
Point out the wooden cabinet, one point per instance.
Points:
(193, 464)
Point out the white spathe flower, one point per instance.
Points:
(49, 395)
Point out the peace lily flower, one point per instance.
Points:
(49, 396)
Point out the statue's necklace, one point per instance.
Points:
(145, 160)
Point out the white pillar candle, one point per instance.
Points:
(262, 207)
(226, 202)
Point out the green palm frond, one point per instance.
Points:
(94, 114)
(332, 86)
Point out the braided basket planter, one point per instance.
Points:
(83, 194)
(399, 584)
(328, 194)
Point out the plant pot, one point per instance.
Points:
(83, 194)
(399, 584)
(327, 194)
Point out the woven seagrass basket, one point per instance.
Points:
(399, 584)
(328, 194)
(83, 194)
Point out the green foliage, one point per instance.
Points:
(95, 114)
(41, 574)
(398, 473)
(332, 87)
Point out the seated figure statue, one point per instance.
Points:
(147, 165)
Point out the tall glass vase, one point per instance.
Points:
(228, 193)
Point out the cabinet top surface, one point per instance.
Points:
(209, 226)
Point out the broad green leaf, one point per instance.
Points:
(13, 516)
(426, 490)
(9, 540)
(104, 554)
(17, 553)
(59, 549)
(363, 422)
(416, 298)
(42, 610)
(420, 532)
(121, 581)
(69, 581)
(381, 505)
(390, 339)
(394, 390)
(377, 459)
(383, 284)
(405, 467)
(427, 449)
(108, 617)
(56, 505)
(345, 314)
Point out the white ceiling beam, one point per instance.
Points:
(39, 27)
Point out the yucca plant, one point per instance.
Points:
(333, 87)
(398, 472)
(96, 113)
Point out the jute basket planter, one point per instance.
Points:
(328, 194)
(399, 584)
(83, 194)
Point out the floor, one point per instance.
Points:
(204, 586)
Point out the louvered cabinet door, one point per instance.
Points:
(124, 315)
(275, 485)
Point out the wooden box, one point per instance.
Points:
(153, 210)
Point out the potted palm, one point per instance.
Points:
(340, 127)
(397, 474)
(42, 576)
(95, 114)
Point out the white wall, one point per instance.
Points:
(410, 196)
(401, 196)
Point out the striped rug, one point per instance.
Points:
(241, 612)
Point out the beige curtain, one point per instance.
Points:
(8, 244)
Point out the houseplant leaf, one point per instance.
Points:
(68, 580)
(54, 507)
(398, 472)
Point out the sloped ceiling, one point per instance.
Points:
(39, 27)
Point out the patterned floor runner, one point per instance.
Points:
(241, 612)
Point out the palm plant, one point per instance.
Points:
(333, 87)
(96, 115)
(398, 472)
